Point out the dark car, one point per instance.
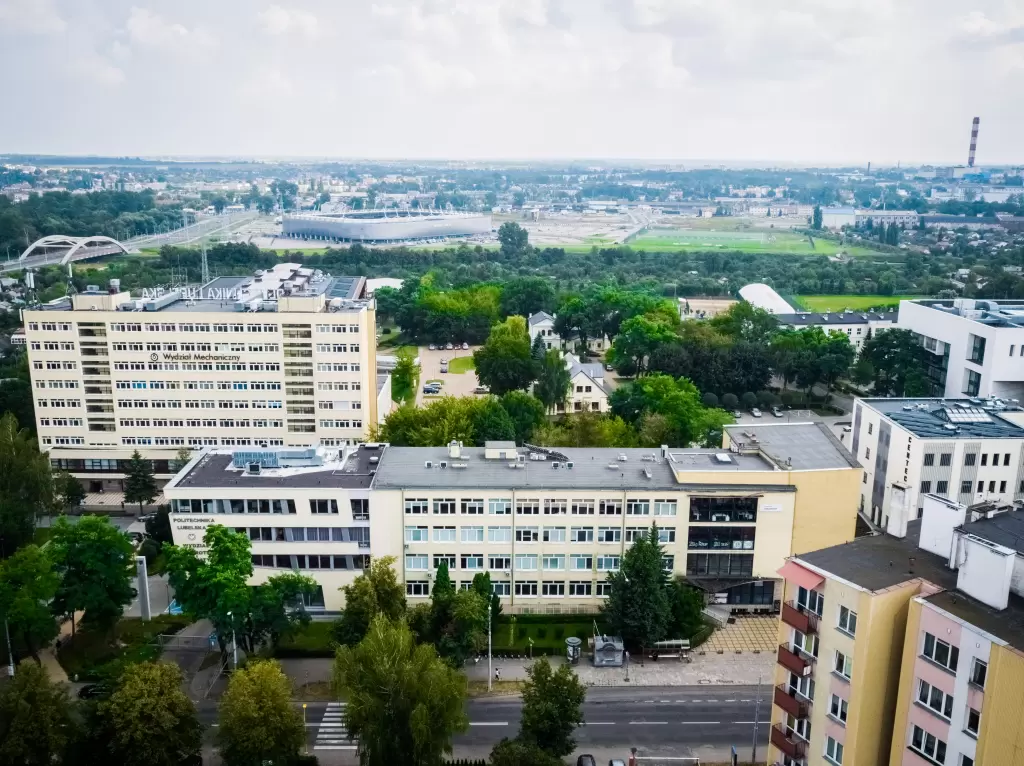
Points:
(586, 760)
(93, 691)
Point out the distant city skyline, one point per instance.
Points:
(691, 82)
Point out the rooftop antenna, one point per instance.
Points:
(974, 141)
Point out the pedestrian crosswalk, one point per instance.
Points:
(332, 735)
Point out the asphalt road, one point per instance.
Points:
(670, 723)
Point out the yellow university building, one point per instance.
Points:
(549, 525)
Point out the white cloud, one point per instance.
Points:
(94, 68)
(149, 29)
(31, 16)
(279, 21)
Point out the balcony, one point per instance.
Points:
(800, 618)
(787, 743)
(794, 662)
(789, 700)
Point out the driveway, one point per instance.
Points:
(453, 383)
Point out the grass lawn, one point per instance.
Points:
(95, 655)
(461, 364)
(853, 302)
(548, 637)
(744, 240)
(314, 640)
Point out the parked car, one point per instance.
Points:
(465, 346)
(586, 760)
(608, 367)
(449, 347)
(481, 390)
(432, 347)
(776, 412)
(755, 412)
(93, 691)
(616, 762)
(431, 388)
(737, 414)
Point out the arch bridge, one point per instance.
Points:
(73, 248)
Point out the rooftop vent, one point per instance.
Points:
(622, 457)
(460, 465)
(556, 464)
(570, 464)
(443, 464)
(253, 468)
(647, 472)
(614, 466)
(723, 457)
(428, 464)
(515, 465)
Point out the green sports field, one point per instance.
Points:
(852, 302)
(744, 240)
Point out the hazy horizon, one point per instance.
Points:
(796, 83)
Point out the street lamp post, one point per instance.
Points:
(234, 645)
(10, 654)
(488, 645)
(304, 726)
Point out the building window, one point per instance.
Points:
(833, 750)
(984, 458)
(1006, 458)
(476, 561)
(527, 534)
(323, 506)
(945, 459)
(417, 562)
(499, 507)
(526, 561)
(472, 534)
(554, 562)
(552, 589)
(847, 621)
(843, 665)
(936, 700)
(1002, 486)
(838, 708)
(526, 588)
(979, 671)
(970, 458)
(939, 652)
(941, 487)
(581, 535)
(973, 722)
(965, 487)
(416, 535)
(499, 562)
(966, 760)
(580, 588)
(871, 427)
(448, 559)
(867, 453)
(417, 506)
(926, 487)
(977, 349)
(444, 507)
(607, 563)
(417, 588)
(928, 745)
(973, 383)
(499, 534)
(444, 534)
(811, 600)
(929, 458)
(473, 507)
(503, 588)
(554, 534)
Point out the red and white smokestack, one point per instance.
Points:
(974, 141)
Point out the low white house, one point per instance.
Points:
(543, 324)
(587, 389)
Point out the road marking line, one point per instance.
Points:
(700, 723)
(334, 747)
(759, 723)
(488, 723)
(599, 723)
(728, 700)
(648, 723)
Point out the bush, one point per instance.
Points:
(386, 331)
(306, 760)
(150, 548)
(709, 400)
(313, 640)
(542, 632)
(559, 632)
(749, 400)
(765, 398)
(730, 402)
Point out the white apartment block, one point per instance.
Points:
(976, 347)
(964, 450)
(548, 525)
(857, 326)
(282, 358)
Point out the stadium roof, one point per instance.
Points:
(763, 297)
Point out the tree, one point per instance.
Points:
(524, 296)
(526, 413)
(36, 723)
(552, 386)
(552, 708)
(686, 605)
(482, 585)
(516, 752)
(258, 723)
(638, 608)
(148, 720)
(158, 526)
(492, 423)
(638, 339)
(95, 562)
(514, 238)
(898, 361)
(730, 402)
(27, 585)
(504, 363)
(458, 619)
(587, 429)
(816, 218)
(139, 485)
(709, 400)
(404, 703)
(26, 486)
(375, 591)
(181, 459)
(537, 348)
(677, 400)
(404, 377)
(69, 490)
(743, 321)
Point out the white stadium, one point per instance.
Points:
(380, 226)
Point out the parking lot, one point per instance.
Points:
(453, 383)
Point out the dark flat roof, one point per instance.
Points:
(214, 471)
(928, 418)
(882, 561)
(1007, 624)
(837, 318)
(1006, 529)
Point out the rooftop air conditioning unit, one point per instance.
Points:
(253, 468)
(570, 464)
(443, 464)
(556, 464)
(428, 464)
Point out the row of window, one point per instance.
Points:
(307, 534)
(202, 385)
(337, 348)
(528, 588)
(60, 422)
(236, 348)
(58, 403)
(341, 424)
(75, 441)
(201, 404)
(528, 507)
(198, 423)
(52, 345)
(56, 384)
(190, 327)
(51, 326)
(54, 365)
(203, 441)
(531, 534)
(358, 506)
(523, 562)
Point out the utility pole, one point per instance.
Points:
(234, 645)
(757, 712)
(10, 654)
(488, 645)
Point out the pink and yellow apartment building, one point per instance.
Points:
(906, 650)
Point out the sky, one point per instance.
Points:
(788, 81)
